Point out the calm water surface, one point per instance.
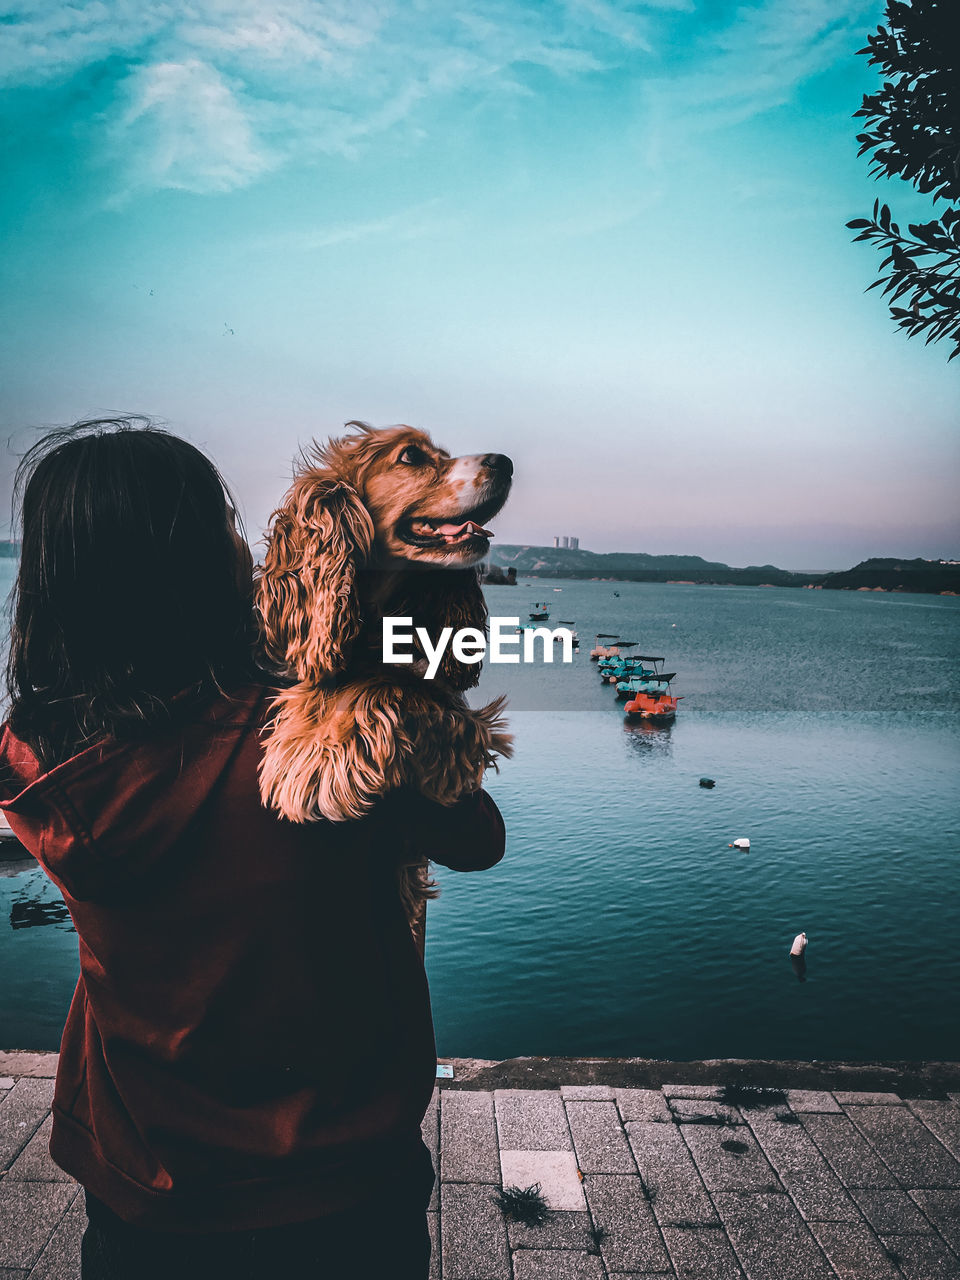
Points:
(620, 922)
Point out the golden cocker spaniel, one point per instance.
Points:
(377, 523)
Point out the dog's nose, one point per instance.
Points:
(499, 462)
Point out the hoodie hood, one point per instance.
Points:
(101, 818)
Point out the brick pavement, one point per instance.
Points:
(694, 1182)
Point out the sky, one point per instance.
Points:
(606, 238)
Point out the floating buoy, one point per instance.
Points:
(740, 843)
(799, 945)
(707, 782)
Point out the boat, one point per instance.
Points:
(643, 682)
(573, 631)
(627, 666)
(604, 651)
(539, 613)
(624, 671)
(657, 705)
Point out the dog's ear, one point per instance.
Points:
(307, 589)
(452, 598)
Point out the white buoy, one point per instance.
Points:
(799, 945)
(741, 843)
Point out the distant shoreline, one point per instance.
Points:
(924, 577)
(927, 577)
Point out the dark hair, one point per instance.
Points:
(133, 585)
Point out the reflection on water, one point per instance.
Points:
(37, 903)
(647, 739)
(30, 913)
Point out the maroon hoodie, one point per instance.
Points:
(250, 1041)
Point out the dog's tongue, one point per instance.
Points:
(454, 530)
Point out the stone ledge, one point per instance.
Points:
(908, 1079)
(24, 1062)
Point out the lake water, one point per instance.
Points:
(620, 921)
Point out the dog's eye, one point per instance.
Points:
(413, 457)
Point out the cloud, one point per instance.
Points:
(759, 58)
(184, 127)
(222, 91)
(218, 93)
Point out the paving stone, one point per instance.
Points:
(954, 1097)
(29, 1212)
(22, 1110)
(770, 1238)
(598, 1138)
(692, 1110)
(893, 1212)
(820, 1198)
(468, 1138)
(850, 1156)
(854, 1251)
(907, 1147)
(430, 1131)
(8, 1273)
(943, 1210)
(568, 1229)
(712, 1091)
(555, 1171)
(38, 1090)
(434, 1273)
(669, 1175)
(812, 1100)
(643, 1104)
(547, 1264)
(729, 1159)
(60, 1259)
(632, 1240)
(701, 1253)
(531, 1120)
(7, 1082)
(33, 1164)
(845, 1097)
(473, 1237)
(587, 1093)
(922, 1257)
(812, 1185)
(942, 1119)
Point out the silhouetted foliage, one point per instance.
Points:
(913, 132)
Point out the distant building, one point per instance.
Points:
(556, 540)
(574, 544)
(564, 541)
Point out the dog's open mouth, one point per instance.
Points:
(422, 531)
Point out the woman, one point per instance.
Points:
(249, 1051)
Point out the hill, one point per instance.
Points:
(638, 566)
(931, 576)
(878, 574)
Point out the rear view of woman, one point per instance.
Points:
(249, 1051)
